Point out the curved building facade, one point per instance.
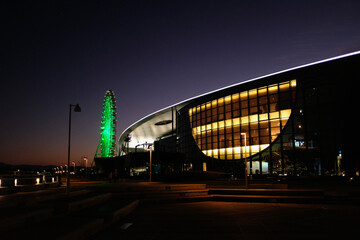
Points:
(294, 122)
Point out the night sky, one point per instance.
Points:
(152, 54)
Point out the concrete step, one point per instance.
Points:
(268, 192)
(61, 227)
(147, 187)
(77, 225)
(19, 215)
(75, 203)
(22, 216)
(161, 194)
(268, 199)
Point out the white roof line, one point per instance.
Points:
(246, 81)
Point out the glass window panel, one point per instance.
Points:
(214, 104)
(254, 132)
(221, 131)
(253, 102)
(236, 113)
(272, 89)
(227, 108)
(293, 83)
(263, 108)
(244, 104)
(221, 124)
(275, 131)
(263, 117)
(214, 118)
(284, 87)
(244, 120)
(235, 106)
(244, 95)
(227, 99)
(253, 110)
(275, 123)
(236, 121)
(264, 124)
(235, 97)
(262, 91)
(263, 100)
(254, 118)
(214, 125)
(285, 113)
(244, 112)
(253, 93)
(222, 151)
(228, 123)
(264, 132)
(274, 107)
(255, 149)
(221, 101)
(221, 109)
(274, 115)
(274, 98)
(221, 117)
(228, 115)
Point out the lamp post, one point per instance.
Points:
(246, 180)
(149, 149)
(85, 159)
(76, 109)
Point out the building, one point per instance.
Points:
(299, 121)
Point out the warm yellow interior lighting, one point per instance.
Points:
(252, 93)
(238, 152)
(244, 95)
(227, 99)
(272, 89)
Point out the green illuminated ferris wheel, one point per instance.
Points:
(108, 127)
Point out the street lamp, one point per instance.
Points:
(246, 180)
(85, 159)
(76, 109)
(149, 149)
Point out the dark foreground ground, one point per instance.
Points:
(229, 220)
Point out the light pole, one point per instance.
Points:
(149, 149)
(246, 180)
(76, 109)
(85, 159)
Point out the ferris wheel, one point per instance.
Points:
(107, 142)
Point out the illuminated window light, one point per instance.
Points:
(237, 152)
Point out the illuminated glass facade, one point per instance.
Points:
(295, 122)
(258, 115)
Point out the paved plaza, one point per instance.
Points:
(229, 220)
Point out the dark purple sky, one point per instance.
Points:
(150, 53)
